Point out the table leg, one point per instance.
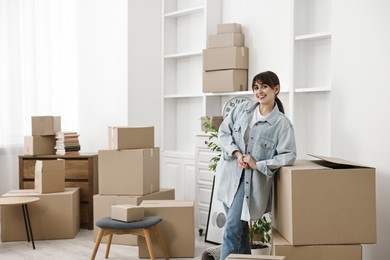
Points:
(27, 217)
(25, 223)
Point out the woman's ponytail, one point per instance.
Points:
(279, 104)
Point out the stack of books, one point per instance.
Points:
(67, 143)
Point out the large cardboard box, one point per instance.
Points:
(280, 246)
(256, 257)
(177, 228)
(225, 58)
(225, 40)
(49, 176)
(39, 145)
(225, 81)
(129, 172)
(45, 125)
(130, 137)
(229, 28)
(54, 216)
(102, 208)
(326, 201)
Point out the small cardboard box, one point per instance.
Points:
(127, 212)
(225, 40)
(229, 28)
(130, 137)
(54, 216)
(177, 228)
(256, 257)
(225, 81)
(39, 145)
(281, 246)
(326, 201)
(45, 125)
(215, 121)
(225, 58)
(102, 205)
(129, 172)
(50, 176)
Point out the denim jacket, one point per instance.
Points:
(271, 144)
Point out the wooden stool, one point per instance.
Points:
(108, 226)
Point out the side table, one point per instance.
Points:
(24, 201)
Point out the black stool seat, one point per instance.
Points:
(109, 223)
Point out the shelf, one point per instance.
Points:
(183, 55)
(238, 93)
(309, 90)
(313, 36)
(184, 12)
(183, 96)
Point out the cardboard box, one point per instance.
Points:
(225, 58)
(256, 257)
(177, 228)
(127, 213)
(225, 40)
(215, 121)
(129, 172)
(102, 208)
(39, 145)
(54, 216)
(229, 28)
(326, 201)
(130, 137)
(50, 176)
(225, 81)
(45, 125)
(281, 246)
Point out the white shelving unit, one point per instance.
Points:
(311, 75)
(185, 26)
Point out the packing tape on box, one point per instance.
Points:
(242, 51)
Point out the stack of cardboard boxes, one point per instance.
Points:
(42, 141)
(129, 173)
(324, 209)
(226, 60)
(57, 214)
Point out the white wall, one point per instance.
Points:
(268, 34)
(360, 99)
(144, 70)
(102, 42)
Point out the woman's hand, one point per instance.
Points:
(249, 161)
(240, 161)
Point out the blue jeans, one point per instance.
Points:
(236, 235)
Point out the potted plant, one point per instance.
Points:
(212, 142)
(260, 235)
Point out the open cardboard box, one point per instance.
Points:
(325, 201)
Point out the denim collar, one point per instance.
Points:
(270, 118)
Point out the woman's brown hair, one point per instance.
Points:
(271, 79)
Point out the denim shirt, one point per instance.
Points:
(271, 144)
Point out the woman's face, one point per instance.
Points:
(264, 94)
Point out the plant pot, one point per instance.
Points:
(261, 249)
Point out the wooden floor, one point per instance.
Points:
(77, 249)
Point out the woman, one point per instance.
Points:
(256, 139)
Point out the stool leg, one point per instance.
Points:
(162, 244)
(98, 240)
(149, 243)
(108, 245)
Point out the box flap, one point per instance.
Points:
(337, 161)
